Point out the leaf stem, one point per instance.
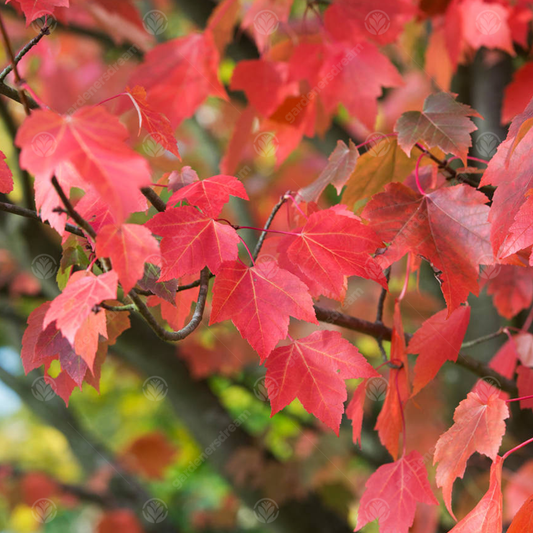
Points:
(417, 175)
(268, 223)
(485, 338)
(525, 443)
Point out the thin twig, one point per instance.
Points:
(479, 340)
(379, 316)
(74, 215)
(14, 95)
(29, 213)
(45, 30)
(18, 79)
(263, 235)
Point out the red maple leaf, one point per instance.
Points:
(486, 516)
(478, 427)
(444, 123)
(34, 9)
(438, 340)
(6, 177)
(155, 123)
(128, 246)
(210, 194)
(523, 520)
(392, 493)
(180, 74)
(91, 141)
(448, 227)
(259, 301)
(73, 306)
(313, 369)
(333, 244)
(192, 241)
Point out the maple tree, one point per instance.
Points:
(251, 209)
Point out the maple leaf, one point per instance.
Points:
(180, 74)
(192, 241)
(478, 427)
(128, 246)
(181, 178)
(92, 141)
(313, 369)
(389, 424)
(6, 177)
(355, 411)
(31, 336)
(34, 9)
(438, 340)
(122, 521)
(259, 301)
(444, 122)
(486, 516)
(361, 72)
(524, 382)
(210, 194)
(511, 289)
(448, 227)
(265, 83)
(333, 244)
(73, 306)
(341, 164)
(149, 455)
(517, 93)
(523, 520)
(221, 22)
(509, 171)
(392, 493)
(176, 311)
(155, 123)
(383, 163)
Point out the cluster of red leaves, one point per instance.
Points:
(295, 90)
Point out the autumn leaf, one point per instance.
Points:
(333, 244)
(210, 194)
(478, 427)
(34, 9)
(389, 424)
(6, 177)
(486, 517)
(383, 163)
(221, 22)
(119, 521)
(313, 369)
(523, 520)
(438, 340)
(448, 227)
(392, 493)
(341, 164)
(155, 123)
(444, 123)
(355, 411)
(128, 246)
(259, 301)
(73, 306)
(517, 93)
(92, 141)
(192, 241)
(149, 455)
(180, 74)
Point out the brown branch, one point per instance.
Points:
(154, 199)
(14, 95)
(29, 213)
(196, 318)
(263, 235)
(381, 331)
